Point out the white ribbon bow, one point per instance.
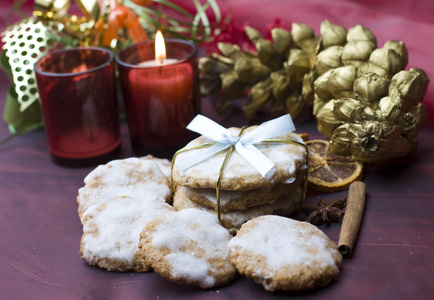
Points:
(244, 144)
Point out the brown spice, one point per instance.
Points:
(325, 213)
(353, 218)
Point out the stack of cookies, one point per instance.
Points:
(244, 193)
(116, 202)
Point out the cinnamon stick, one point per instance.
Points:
(352, 218)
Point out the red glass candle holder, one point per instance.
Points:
(79, 104)
(160, 100)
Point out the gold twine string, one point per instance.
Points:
(306, 176)
(226, 159)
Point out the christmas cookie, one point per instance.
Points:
(238, 174)
(188, 247)
(163, 163)
(111, 231)
(283, 254)
(233, 219)
(131, 177)
(241, 200)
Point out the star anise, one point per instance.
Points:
(325, 212)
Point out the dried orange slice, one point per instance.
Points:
(328, 171)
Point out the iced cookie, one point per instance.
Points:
(233, 219)
(131, 177)
(188, 247)
(111, 231)
(163, 163)
(238, 174)
(241, 200)
(283, 254)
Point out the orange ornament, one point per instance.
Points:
(142, 2)
(119, 18)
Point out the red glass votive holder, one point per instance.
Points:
(160, 100)
(78, 98)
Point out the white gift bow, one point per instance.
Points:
(243, 144)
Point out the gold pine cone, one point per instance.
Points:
(272, 76)
(363, 99)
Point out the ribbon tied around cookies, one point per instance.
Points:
(222, 139)
(244, 145)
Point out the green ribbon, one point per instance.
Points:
(18, 122)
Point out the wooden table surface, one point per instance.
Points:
(40, 230)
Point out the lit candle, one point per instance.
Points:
(161, 94)
(160, 54)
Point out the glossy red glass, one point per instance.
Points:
(159, 100)
(78, 97)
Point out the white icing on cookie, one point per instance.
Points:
(289, 245)
(188, 246)
(163, 163)
(238, 173)
(131, 177)
(233, 219)
(111, 231)
(283, 254)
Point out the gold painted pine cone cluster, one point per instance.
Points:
(363, 98)
(272, 75)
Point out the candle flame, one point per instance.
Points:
(160, 47)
